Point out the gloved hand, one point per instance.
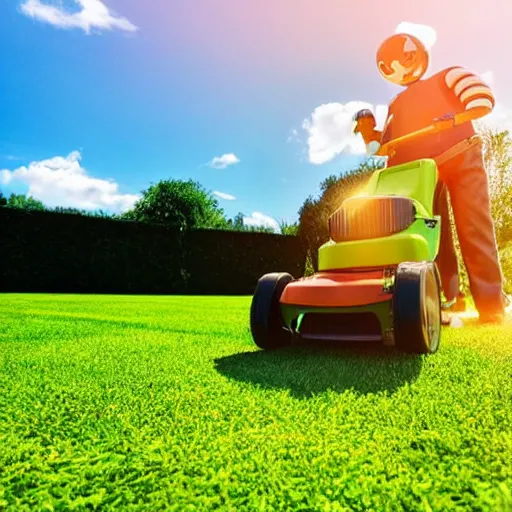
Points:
(372, 148)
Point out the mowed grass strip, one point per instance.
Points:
(152, 403)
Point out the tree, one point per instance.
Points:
(287, 228)
(87, 213)
(498, 160)
(26, 203)
(238, 224)
(3, 200)
(314, 213)
(498, 163)
(497, 150)
(179, 204)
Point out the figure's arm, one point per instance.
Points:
(476, 99)
(474, 94)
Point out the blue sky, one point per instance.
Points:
(133, 92)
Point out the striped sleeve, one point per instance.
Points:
(470, 89)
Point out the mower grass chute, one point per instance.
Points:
(377, 279)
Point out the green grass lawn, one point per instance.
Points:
(151, 403)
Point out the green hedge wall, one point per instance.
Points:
(231, 262)
(48, 252)
(57, 252)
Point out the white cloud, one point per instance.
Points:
(62, 181)
(221, 162)
(426, 34)
(260, 219)
(330, 127)
(94, 14)
(223, 195)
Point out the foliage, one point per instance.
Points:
(237, 224)
(498, 163)
(24, 202)
(77, 211)
(506, 266)
(309, 269)
(497, 151)
(163, 403)
(314, 213)
(57, 252)
(287, 228)
(178, 204)
(174, 203)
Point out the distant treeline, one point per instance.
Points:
(174, 203)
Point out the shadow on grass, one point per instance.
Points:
(308, 369)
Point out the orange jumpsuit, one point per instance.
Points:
(461, 170)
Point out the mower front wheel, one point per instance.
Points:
(417, 308)
(267, 327)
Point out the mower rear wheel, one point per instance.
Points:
(267, 327)
(417, 308)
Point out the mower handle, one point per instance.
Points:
(440, 124)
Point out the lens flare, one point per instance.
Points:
(469, 313)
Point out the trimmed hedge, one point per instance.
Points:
(48, 252)
(67, 253)
(231, 262)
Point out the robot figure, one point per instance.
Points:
(447, 101)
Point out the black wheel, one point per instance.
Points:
(417, 308)
(267, 327)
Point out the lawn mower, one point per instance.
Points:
(377, 279)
